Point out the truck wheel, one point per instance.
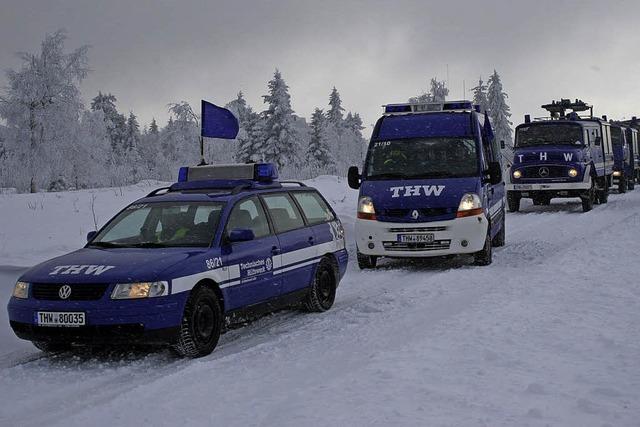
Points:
(513, 201)
(485, 256)
(604, 196)
(500, 238)
(366, 262)
(588, 198)
(322, 293)
(52, 347)
(201, 324)
(630, 185)
(622, 184)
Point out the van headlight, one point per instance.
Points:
(21, 290)
(573, 172)
(140, 290)
(365, 208)
(470, 205)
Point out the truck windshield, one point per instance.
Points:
(556, 134)
(616, 136)
(161, 225)
(422, 158)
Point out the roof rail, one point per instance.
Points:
(301, 184)
(158, 190)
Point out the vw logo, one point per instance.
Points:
(415, 214)
(543, 172)
(64, 292)
(268, 264)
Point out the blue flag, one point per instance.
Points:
(218, 122)
(488, 131)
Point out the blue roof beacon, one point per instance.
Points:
(564, 155)
(431, 185)
(176, 266)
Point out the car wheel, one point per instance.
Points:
(322, 293)
(201, 324)
(366, 262)
(485, 256)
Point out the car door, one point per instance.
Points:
(319, 216)
(297, 242)
(250, 263)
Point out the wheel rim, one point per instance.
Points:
(325, 287)
(203, 322)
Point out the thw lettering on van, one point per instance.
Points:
(89, 270)
(416, 190)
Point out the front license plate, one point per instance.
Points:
(415, 238)
(523, 186)
(55, 318)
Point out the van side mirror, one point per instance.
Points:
(502, 145)
(495, 173)
(598, 140)
(241, 235)
(353, 177)
(91, 235)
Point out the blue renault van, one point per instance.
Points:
(431, 185)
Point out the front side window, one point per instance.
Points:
(551, 134)
(283, 212)
(314, 207)
(249, 214)
(422, 158)
(162, 224)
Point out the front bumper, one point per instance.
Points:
(447, 237)
(552, 186)
(152, 320)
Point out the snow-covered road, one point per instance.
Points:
(547, 335)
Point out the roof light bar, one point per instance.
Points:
(263, 172)
(427, 107)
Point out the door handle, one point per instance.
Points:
(275, 250)
(311, 240)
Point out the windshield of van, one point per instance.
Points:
(161, 225)
(552, 134)
(422, 158)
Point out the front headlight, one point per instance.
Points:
(573, 172)
(617, 173)
(365, 208)
(140, 290)
(470, 205)
(517, 174)
(21, 290)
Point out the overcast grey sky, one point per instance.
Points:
(150, 53)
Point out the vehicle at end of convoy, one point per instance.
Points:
(633, 141)
(431, 185)
(623, 169)
(562, 156)
(175, 267)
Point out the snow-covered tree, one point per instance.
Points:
(480, 95)
(41, 106)
(439, 91)
(499, 111)
(280, 143)
(334, 115)
(318, 155)
(153, 126)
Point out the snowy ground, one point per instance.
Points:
(547, 335)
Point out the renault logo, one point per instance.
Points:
(64, 292)
(415, 214)
(543, 172)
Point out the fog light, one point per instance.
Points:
(464, 243)
(517, 174)
(573, 173)
(371, 245)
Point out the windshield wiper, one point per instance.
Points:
(106, 245)
(439, 174)
(387, 175)
(148, 245)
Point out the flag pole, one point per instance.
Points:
(202, 162)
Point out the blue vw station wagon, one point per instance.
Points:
(176, 266)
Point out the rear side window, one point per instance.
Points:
(283, 212)
(249, 214)
(314, 207)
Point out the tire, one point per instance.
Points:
(201, 324)
(513, 201)
(631, 185)
(52, 347)
(602, 193)
(366, 262)
(485, 256)
(622, 185)
(500, 238)
(322, 293)
(588, 199)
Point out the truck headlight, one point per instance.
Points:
(470, 205)
(365, 208)
(140, 290)
(21, 290)
(573, 172)
(517, 174)
(617, 173)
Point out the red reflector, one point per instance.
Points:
(471, 212)
(363, 215)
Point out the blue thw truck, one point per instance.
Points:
(633, 127)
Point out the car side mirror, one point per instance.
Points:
(598, 140)
(495, 173)
(91, 235)
(241, 235)
(502, 145)
(353, 177)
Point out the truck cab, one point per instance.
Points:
(622, 167)
(633, 127)
(561, 157)
(431, 185)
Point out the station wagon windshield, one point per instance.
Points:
(161, 225)
(422, 158)
(556, 134)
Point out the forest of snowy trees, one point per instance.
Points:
(49, 140)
